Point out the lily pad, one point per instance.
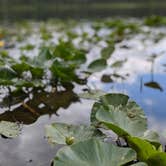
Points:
(60, 133)
(107, 51)
(9, 129)
(97, 65)
(123, 116)
(93, 153)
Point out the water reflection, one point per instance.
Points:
(31, 148)
(41, 103)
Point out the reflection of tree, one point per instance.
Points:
(29, 112)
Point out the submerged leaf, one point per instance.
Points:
(93, 153)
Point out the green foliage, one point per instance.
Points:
(67, 52)
(143, 148)
(7, 73)
(123, 119)
(110, 112)
(60, 133)
(97, 65)
(107, 51)
(157, 159)
(93, 152)
(61, 60)
(63, 72)
(118, 114)
(155, 21)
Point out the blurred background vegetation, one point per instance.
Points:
(42, 9)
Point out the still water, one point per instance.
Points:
(140, 74)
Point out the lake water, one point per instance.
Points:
(140, 74)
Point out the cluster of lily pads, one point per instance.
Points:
(60, 65)
(91, 145)
(56, 66)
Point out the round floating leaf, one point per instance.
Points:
(93, 153)
(122, 116)
(9, 129)
(60, 133)
(97, 65)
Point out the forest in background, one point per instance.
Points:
(41, 9)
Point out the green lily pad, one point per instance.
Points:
(60, 133)
(93, 153)
(123, 116)
(97, 65)
(107, 51)
(9, 129)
